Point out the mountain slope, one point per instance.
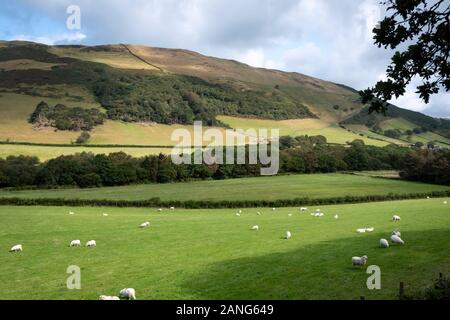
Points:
(146, 93)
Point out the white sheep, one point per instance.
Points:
(361, 230)
(106, 215)
(91, 244)
(172, 208)
(75, 243)
(359, 261)
(108, 298)
(318, 211)
(240, 211)
(290, 215)
(288, 235)
(160, 210)
(145, 225)
(397, 240)
(274, 209)
(336, 217)
(128, 293)
(17, 248)
(238, 214)
(396, 218)
(445, 202)
(397, 233)
(71, 213)
(258, 213)
(255, 228)
(370, 229)
(303, 209)
(384, 243)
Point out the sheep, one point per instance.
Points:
(91, 244)
(172, 208)
(361, 230)
(108, 298)
(397, 240)
(71, 213)
(240, 211)
(396, 218)
(445, 202)
(384, 244)
(16, 248)
(313, 214)
(397, 233)
(75, 243)
(370, 229)
(288, 235)
(258, 213)
(336, 217)
(255, 228)
(160, 210)
(303, 209)
(128, 293)
(274, 209)
(319, 215)
(290, 215)
(359, 261)
(145, 225)
(106, 215)
(318, 211)
(238, 214)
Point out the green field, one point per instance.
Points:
(212, 254)
(267, 188)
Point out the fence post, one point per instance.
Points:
(402, 291)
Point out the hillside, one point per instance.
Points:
(145, 93)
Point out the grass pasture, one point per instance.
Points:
(212, 254)
(314, 186)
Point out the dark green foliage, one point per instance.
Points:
(83, 138)
(424, 123)
(299, 155)
(65, 118)
(428, 166)
(393, 133)
(425, 27)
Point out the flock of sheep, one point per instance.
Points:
(130, 293)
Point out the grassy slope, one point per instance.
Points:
(270, 188)
(211, 254)
(311, 127)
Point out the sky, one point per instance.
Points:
(327, 39)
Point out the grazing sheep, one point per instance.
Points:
(274, 209)
(361, 230)
(240, 211)
(172, 208)
(128, 293)
(445, 202)
(160, 210)
(75, 243)
(318, 211)
(397, 233)
(303, 209)
(71, 213)
(359, 261)
(384, 243)
(336, 217)
(91, 244)
(108, 298)
(17, 248)
(396, 218)
(258, 213)
(290, 215)
(397, 240)
(319, 215)
(106, 215)
(288, 235)
(145, 225)
(255, 228)
(370, 229)
(238, 214)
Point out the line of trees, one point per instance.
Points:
(297, 155)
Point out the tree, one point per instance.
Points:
(423, 25)
(83, 138)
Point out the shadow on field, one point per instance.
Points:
(324, 270)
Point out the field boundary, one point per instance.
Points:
(157, 203)
(62, 145)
